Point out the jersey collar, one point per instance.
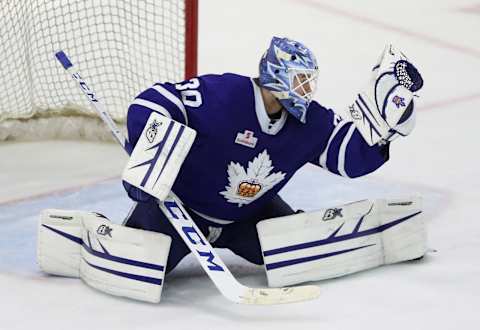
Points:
(266, 125)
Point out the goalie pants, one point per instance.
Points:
(241, 238)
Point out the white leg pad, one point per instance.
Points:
(342, 240)
(123, 261)
(114, 259)
(58, 243)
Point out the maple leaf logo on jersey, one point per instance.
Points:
(246, 186)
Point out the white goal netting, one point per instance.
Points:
(120, 46)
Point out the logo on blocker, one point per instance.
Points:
(152, 131)
(356, 115)
(246, 139)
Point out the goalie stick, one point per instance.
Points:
(191, 235)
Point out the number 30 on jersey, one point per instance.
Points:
(190, 95)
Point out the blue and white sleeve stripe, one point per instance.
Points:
(152, 106)
(323, 157)
(174, 99)
(347, 154)
(334, 155)
(343, 150)
(160, 99)
(340, 148)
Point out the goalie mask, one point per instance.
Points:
(289, 70)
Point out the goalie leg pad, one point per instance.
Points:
(342, 240)
(58, 242)
(114, 259)
(123, 261)
(158, 155)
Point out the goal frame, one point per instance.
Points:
(191, 38)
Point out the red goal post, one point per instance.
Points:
(124, 45)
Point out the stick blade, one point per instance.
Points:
(273, 296)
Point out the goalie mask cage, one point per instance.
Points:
(122, 46)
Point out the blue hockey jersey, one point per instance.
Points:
(241, 158)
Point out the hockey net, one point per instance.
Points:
(121, 46)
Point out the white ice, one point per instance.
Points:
(438, 161)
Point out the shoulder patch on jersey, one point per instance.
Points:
(245, 186)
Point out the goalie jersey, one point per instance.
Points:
(241, 158)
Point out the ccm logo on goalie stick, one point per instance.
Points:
(192, 235)
(85, 87)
